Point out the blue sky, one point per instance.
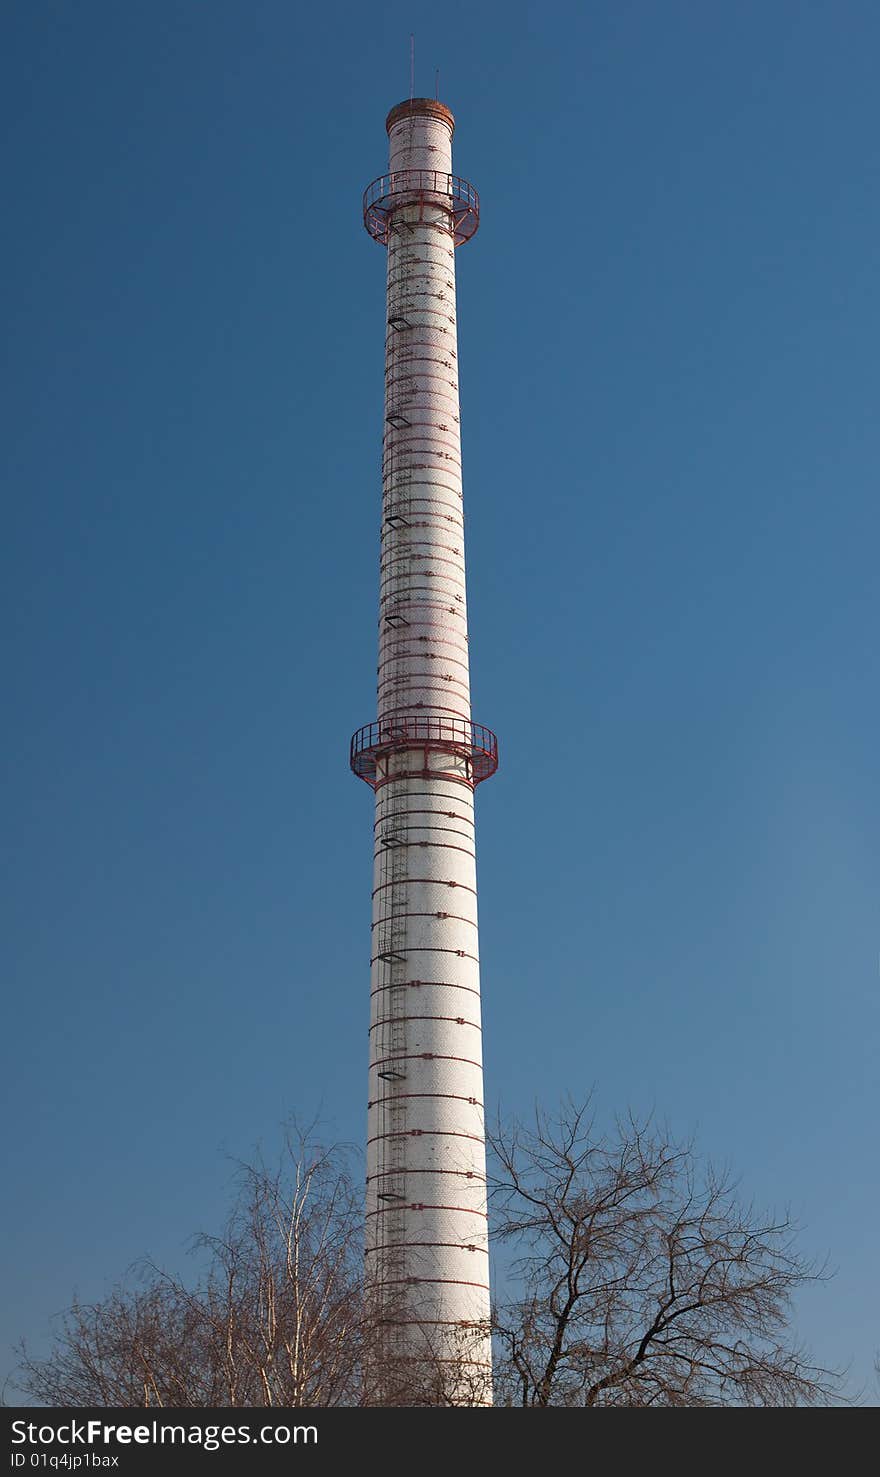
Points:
(668, 327)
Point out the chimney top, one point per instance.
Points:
(420, 107)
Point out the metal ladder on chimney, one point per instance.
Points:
(390, 1048)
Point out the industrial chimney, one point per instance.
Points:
(427, 1261)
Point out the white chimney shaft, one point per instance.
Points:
(427, 1260)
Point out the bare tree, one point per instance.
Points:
(642, 1278)
(280, 1316)
(277, 1318)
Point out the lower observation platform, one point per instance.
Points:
(423, 737)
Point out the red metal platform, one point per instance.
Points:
(390, 192)
(423, 736)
